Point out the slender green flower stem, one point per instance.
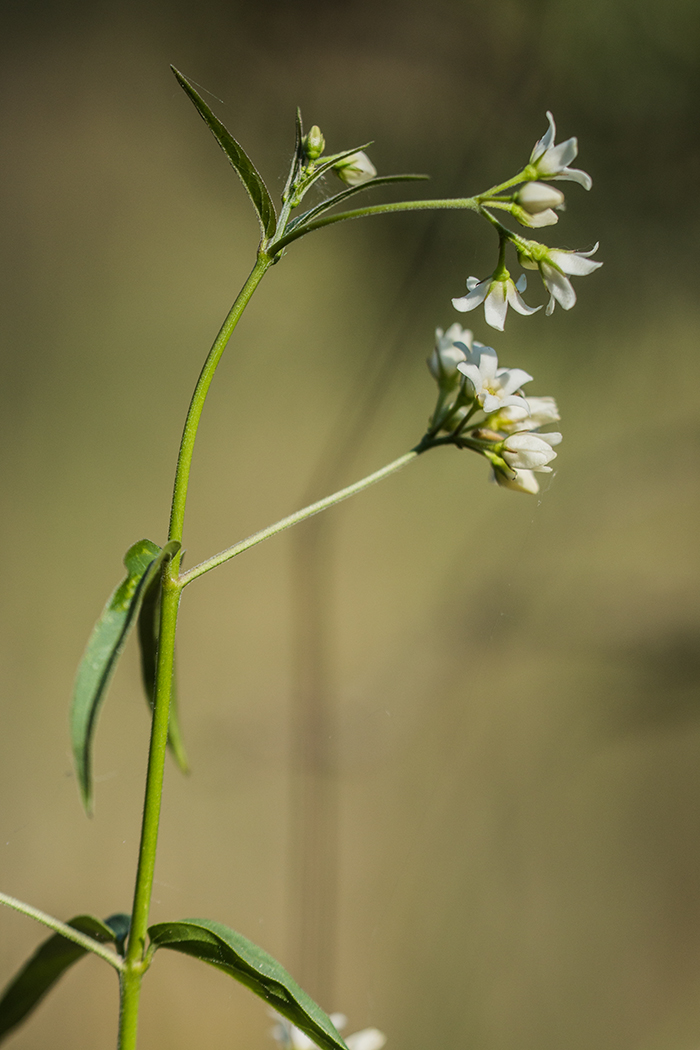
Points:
(300, 515)
(136, 963)
(448, 204)
(189, 434)
(66, 931)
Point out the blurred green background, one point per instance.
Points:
(511, 683)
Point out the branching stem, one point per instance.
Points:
(66, 931)
(300, 515)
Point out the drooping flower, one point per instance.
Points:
(290, 1037)
(496, 292)
(535, 203)
(493, 387)
(554, 265)
(527, 451)
(355, 169)
(550, 161)
(451, 348)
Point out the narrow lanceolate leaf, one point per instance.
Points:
(47, 964)
(234, 954)
(148, 627)
(297, 159)
(143, 561)
(249, 175)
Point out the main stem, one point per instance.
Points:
(135, 963)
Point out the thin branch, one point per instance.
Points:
(66, 931)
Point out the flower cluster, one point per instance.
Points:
(289, 1037)
(482, 407)
(534, 204)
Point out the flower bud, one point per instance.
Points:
(526, 451)
(443, 364)
(355, 169)
(314, 143)
(536, 197)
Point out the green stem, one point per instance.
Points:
(136, 963)
(189, 434)
(301, 515)
(66, 931)
(522, 176)
(449, 203)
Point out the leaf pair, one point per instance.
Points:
(50, 961)
(212, 942)
(143, 562)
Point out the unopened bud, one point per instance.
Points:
(355, 169)
(447, 354)
(536, 197)
(314, 143)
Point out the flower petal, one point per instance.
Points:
(472, 373)
(542, 218)
(488, 362)
(575, 263)
(511, 379)
(559, 286)
(546, 141)
(474, 297)
(524, 481)
(575, 175)
(496, 306)
(518, 303)
(556, 158)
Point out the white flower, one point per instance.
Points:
(535, 204)
(451, 348)
(530, 451)
(292, 1038)
(550, 161)
(524, 481)
(355, 169)
(537, 412)
(554, 265)
(494, 387)
(496, 293)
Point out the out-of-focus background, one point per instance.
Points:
(506, 812)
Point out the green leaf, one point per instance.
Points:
(47, 964)
(148, 627)
(109, 634)
(330, 202)
(249, 175)
(297, 159)
(234, 954)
